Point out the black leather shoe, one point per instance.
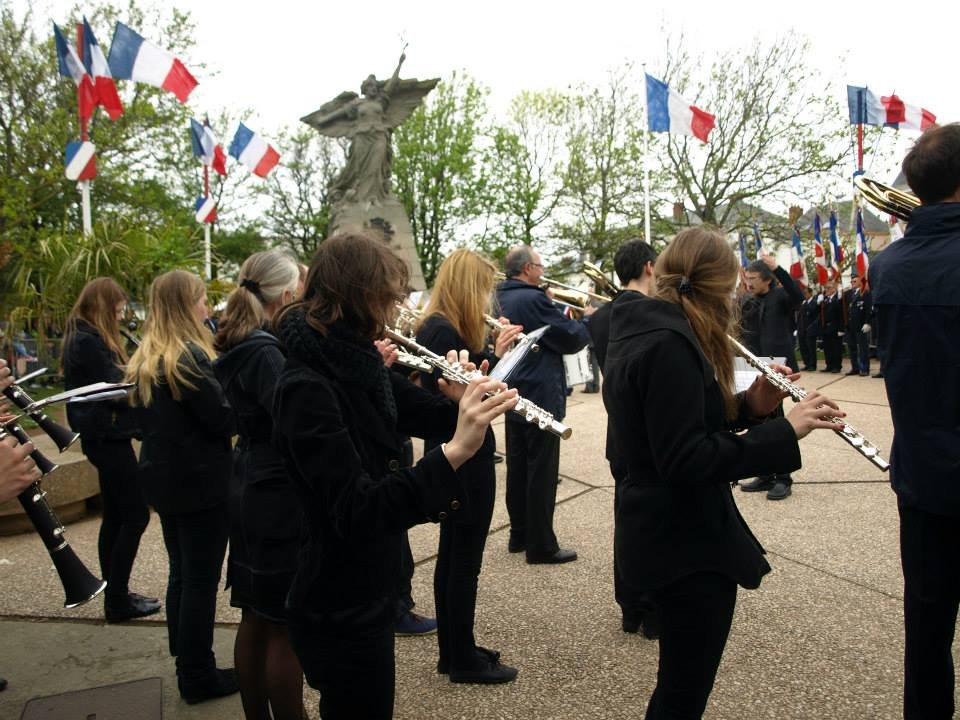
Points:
(219, 684)
(3, 684)
(809, 369)
(631, 621)
(135, 606)
(758, 484)
(877, 375)
(516, 545)
(852, 372)
(488, 671)
(779, 491)
(146, 598)
(560, 556)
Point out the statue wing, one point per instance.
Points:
(328, 120)
(405, 98)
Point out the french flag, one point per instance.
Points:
(818, 254)
(743, 252)
(863, 259)
(798, 271)
(81, 161)
(70, 65)
(205, 209)
(837, 259)
(97, 68)
(207, 147)
(253, 151)
(889, 111)
(756, 239)
(133, 58)
(668, 112)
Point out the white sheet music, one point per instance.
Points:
(744, 374)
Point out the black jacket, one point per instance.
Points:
(831, 315)
(599, 329)
(185, 455)
(343, 451)
(86, 360)
(859, 309)
(676, 513)
(773, 315)
(265, 510)
(915, 283)
(810, 317)
(540, 378)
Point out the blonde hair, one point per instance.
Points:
(264, 277)
(704, 263)
(97, 306)
(170, 325)
(461, 294)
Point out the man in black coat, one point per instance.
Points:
(634, 265)
(808, 330)
(768, 321)
(533, 456)
(831, 327)
(859, 310)
(914, 283)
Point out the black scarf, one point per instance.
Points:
(342, 354)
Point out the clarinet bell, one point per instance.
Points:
(79, 584)
(62, 437)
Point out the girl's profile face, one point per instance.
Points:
(200, 308)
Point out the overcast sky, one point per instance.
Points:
(286, 58)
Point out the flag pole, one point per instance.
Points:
(83, 185)
(646, 162)
(206, 227)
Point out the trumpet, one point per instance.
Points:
(453, 372)
(564, 294)
(888, 199)
(79, 584)
(847, 432)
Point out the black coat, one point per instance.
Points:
(831, 315)
(185, 455)
(540, 378)
(344, 454)
(859, 309)
(599, 329)
(86, 360)
(264, 508)
(916, 292)
(676, 512)
(810, 317)
(774, 320)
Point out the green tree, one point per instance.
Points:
(437, 167)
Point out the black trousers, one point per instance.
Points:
(347, 655)
(125, 512)
(459, 558)
(929, 548)
(808, 348)
(695, 617)
(533, 465)
(196, 544)
(833, 350)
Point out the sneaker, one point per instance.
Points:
(758, 484)
(779, 491)
(410, 624)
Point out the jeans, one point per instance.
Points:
(533, 466)
(196, 544)
(695, 616)
(125, 512)
(929, 547)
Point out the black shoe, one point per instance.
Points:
(779, 491)
(836, 371)
(877, 375)
(758, 484)
(560, 556)
(488, 671)
(134, 606)
(3, 684)
(219, 684)
(852, 372)
(826, 369)
(864, 374)
(631, 621)
(145, 598)
(516, 545)
(809, 369)
(497, 458)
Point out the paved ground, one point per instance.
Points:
(821, 638)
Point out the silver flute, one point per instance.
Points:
(495, 324)
(847, 432)
(453, 372)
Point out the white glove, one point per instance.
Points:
(819, 298)
(865, 329)
(840, 333)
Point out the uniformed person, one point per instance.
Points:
(808, 330)
(859, 309)
(831, 327)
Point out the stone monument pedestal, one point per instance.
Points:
(386, 221)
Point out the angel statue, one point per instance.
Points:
(368, 121)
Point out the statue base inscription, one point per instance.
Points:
(386, 221)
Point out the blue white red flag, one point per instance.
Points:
(207, 147)
(863, 259)
(97, 68)
(253, 151)
(133, 58)
(837, 258)
(889, 111)
(668, 112)
(798, 270)
(819, 255)
(81, 161)
(70, 65)
(757, 240)
(743, 252)
(205, 209)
